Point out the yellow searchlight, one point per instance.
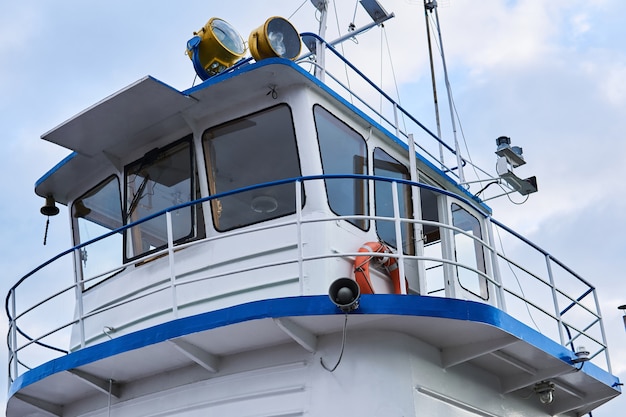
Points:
(275, 38)
(215, 47)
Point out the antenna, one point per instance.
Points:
(428, 6)
(373, 8)
(431, 5)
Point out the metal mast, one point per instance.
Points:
(430, 6)
(433, 81)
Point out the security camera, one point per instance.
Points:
(345, 293)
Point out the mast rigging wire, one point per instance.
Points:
(297, 10)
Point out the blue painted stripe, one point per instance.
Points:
(380, 304)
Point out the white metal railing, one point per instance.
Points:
(35, 338)
(391, 115)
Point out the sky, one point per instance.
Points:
(548, 74)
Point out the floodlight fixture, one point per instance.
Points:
(215, 47)
(275, 38)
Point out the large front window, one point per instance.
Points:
(161, 179)
(259, 148)
(343, 152)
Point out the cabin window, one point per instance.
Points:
(256, 149)
(343, 151)
(386, 166)
(96, 213)
(161, 179)
(469, 252)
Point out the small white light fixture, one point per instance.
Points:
(582, 355)
(545, 391)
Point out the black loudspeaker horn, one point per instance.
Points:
(345, 294)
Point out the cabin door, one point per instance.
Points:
(467, 273)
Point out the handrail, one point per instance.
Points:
(387, 97)
(372, 84)
(297, 220)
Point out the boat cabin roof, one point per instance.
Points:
(134, 118)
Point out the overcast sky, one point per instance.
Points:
(549, 74)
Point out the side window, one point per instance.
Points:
(255, 149)
(469, 252)
(343, 151)
(95, 213)
(386, 166)
(161, 179)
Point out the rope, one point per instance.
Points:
(45, 236)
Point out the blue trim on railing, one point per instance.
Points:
(225, 194)
(380, 304)
(539, 249)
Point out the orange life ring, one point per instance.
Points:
(362, 267)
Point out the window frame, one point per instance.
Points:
(364, 194)
(479, 253)
(408, 244)
(216, 206)
(76, 229)
(196, 226)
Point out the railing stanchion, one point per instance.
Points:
(602, 331)
(395, 119)
(398, 228)
(13, 349)
(557, 311)
(78, 291)
(170, 256)
(298, 184)
(497, 276)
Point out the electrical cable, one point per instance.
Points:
(343, 345)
